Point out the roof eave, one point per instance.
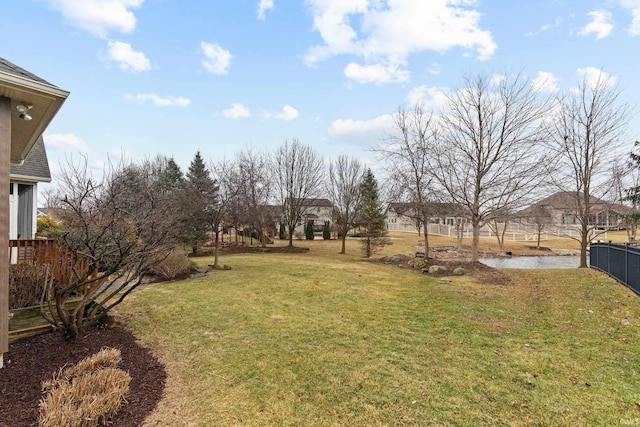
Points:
(46, 100)
(29, 178)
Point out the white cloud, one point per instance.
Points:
(435, 69)
(288, 113)
(66, 142)
(127, 59)
(634, 7)
(263, 7)
(237, 111)
(216, 59)
(158, 101)
(391, 31)
(601, 24)
(545, 27)
(545, 82)
(98, 17)
(595, 77)
(377, 73)
(344, 127)
(432, 98)
(496, 79)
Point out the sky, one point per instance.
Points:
(171, 77)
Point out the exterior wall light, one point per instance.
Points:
(23, 109)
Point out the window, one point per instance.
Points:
(569, 218)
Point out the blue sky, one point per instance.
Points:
(172, 77)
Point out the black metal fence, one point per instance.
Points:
(619, 261)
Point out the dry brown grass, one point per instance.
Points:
(175, 264)
(86, 394)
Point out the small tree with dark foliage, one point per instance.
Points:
(308, 230)
(326, 231)
(371, 216)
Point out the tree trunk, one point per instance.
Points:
(344, 243)
(215, 251)
(290, 235)
(584, 243)
(459, 233)
(426, 237)
(475, 245)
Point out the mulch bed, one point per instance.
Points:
(32, 360)
(483, 273)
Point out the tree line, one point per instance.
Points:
(496, 145)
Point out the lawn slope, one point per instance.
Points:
(320, 339)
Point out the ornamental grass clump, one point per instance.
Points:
(86, 394)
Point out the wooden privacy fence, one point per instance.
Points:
(621, 261)
(52, 252)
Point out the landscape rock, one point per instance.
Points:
(435, 269)
(459, 271)
(226, 267)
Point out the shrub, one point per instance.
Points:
(85, 395)
(308, 231)
(26, 283)
(176, 263)
(282, 233)
(48, 227)
(326, 231)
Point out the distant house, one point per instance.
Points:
(561, 210)
(405, 216)
(317, 210)
(23, 192)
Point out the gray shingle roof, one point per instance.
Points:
(11, 68)
(35, 165)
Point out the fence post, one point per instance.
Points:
(626, 264)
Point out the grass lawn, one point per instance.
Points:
(321, 339)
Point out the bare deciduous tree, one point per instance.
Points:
(254, 176)
(345, 175)
(298, 178)
(122, 225)
(541, 217)
(221, 209)
(498, 224)
(587, 132)
(490, 157)
(406, 157)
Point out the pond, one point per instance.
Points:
(533, 262)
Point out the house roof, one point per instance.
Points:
(322, 203)
(566, 200)
(35, 166)
(42, 99)
(10, 68)
(435, 209)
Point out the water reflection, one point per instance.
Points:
(533, 262)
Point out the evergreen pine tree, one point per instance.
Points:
(371, 216)
(326, 231)
(308, 231)
(200, 197)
